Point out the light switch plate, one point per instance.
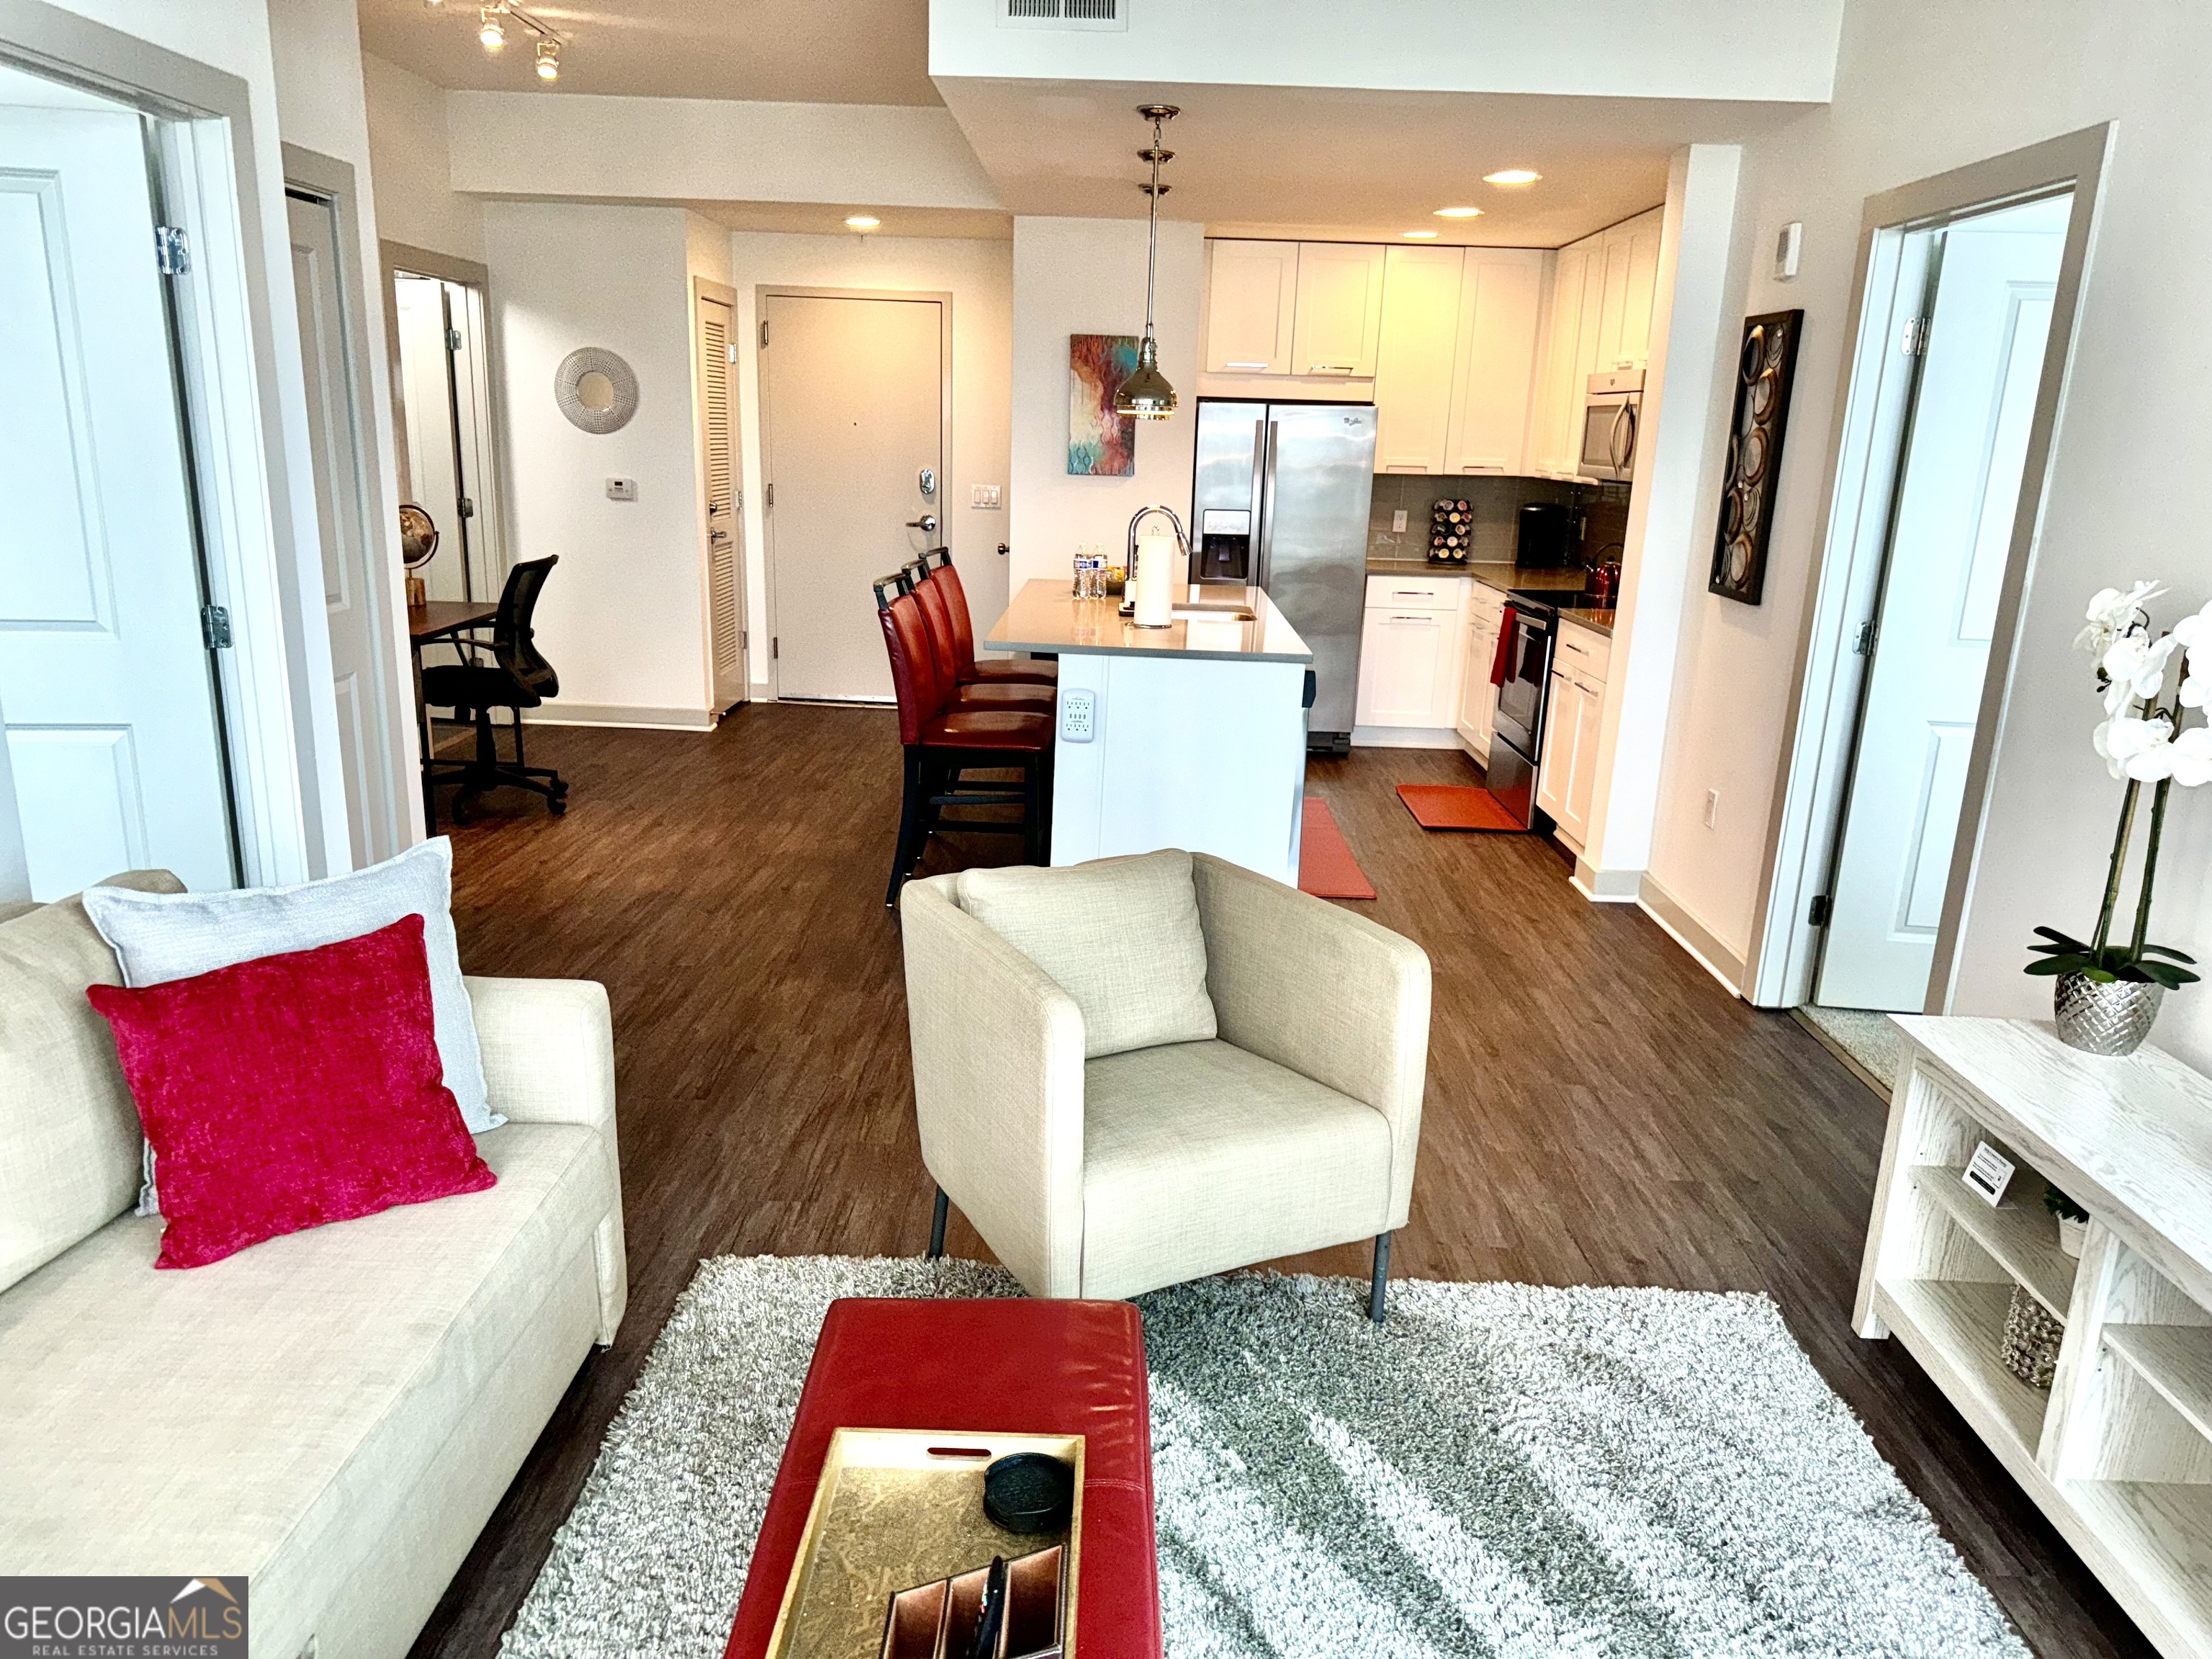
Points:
(1398, 522)
(622, 490)
(1079, 714)
(985, 495)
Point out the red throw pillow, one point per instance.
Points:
(292, 1090)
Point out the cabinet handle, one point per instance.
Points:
(1425, 621)
(1260, 367)
(1328, 368)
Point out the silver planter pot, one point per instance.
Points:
(2105, 1019)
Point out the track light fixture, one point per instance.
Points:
(493, 19)
(549, 60)
(490, 29)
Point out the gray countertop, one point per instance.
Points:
(1225, 624)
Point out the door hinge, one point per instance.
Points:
(767, 497)
(1916, 336)
(737, 501)
(453, 339)
(729, 351)
(466, 507)
(215, 626)
(744, 639)
(764, 334)
(1868, 634)
(173, 251)
(1817, 916)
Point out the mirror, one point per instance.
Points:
(596, 390)
(596, 393)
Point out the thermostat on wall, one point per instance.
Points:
(1786, 251)
(622, 490)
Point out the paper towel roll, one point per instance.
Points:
(1155, 579)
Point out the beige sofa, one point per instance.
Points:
(1294, 1129)
(332, 1415)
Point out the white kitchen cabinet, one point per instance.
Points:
(1478, 697)
(1642, 235)
(1602, 291)
(1251, 305)
(1494, 358)
(1338, 326)
(1567, 771)
(1422, 304)
(1411, 651)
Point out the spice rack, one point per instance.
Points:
(2117, 1452)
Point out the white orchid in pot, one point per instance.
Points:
(2108, 991)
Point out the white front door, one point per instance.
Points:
(353, 596)
(106, 693)
(1949, 541)
(852, 392)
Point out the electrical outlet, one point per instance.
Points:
(1078, 715)
(1398, 522)
(1712, 809)
(983, 495)
(622, 490)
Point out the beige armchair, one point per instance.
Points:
(1292, 1125)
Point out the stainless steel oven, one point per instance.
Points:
(1612, 410)
(1517, 731)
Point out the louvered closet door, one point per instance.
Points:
(106, 695)
(725, 624)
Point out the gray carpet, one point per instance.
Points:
(1506, 1473)
(1867, 1037)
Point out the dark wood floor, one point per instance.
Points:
(1599, 1110)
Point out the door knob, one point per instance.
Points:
(927, 523)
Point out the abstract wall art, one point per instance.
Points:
(1100, 443)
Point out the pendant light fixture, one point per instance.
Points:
(1146, 394)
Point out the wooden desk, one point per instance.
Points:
(439, 619)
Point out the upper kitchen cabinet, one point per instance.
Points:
(1251, 303)
(1631, 276)
(1603, 289)
(1414, 366)
(1339, 327)
(1500, 297)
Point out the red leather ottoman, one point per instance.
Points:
(1009, 1367)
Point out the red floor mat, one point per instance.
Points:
(1455, 806)
(1326, 866)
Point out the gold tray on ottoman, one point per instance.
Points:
(897, 1510)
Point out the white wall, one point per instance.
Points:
(1087, 276)
(622, 619)
(677, 149)
(412, 154)
(979, 276)
(2128, 490)
(1747, 49)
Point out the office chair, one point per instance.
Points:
(517, 677)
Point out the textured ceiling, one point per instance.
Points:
(828, 52)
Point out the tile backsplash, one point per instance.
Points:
(1496, 504)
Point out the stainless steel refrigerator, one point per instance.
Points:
(1280, 498)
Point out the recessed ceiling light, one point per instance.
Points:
(861, 221)
(1419, 235)
(490, 30)
(1459, 212)
(1512, 176)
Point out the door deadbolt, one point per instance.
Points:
(928, 481)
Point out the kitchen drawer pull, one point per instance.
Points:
(1329, 368)
(1425, 621)
(1413, 593)
(1261, 368)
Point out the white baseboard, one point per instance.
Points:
(1403, 737)
(1687, 930)
(760, 693)
(641, 715)
(1606, 886)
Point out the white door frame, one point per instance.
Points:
(1828, 685)
(721, 293)
(761, 295)
(279, 717)
(396, 820)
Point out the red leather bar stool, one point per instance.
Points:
(945, 739)
(937, 567)
(944, 648)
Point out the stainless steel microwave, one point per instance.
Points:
(1611, 415)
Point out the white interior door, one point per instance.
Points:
(852, 395)
(446, 427)
(725, 553)
(1950, 536)
(352, 595)
(112, 736)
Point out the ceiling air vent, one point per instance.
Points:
(1063, 13)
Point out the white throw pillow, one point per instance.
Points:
(160, 936)
(1120, 936)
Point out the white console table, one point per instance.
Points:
(2119, 1452)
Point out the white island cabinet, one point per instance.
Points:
(2118, 1450)
(1191, 736)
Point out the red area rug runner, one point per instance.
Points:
(1455, 806)
(1326, 866)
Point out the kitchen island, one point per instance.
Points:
(1191, 736)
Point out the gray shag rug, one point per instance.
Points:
(1507, 1472)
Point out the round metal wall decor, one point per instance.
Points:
(596, 390)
